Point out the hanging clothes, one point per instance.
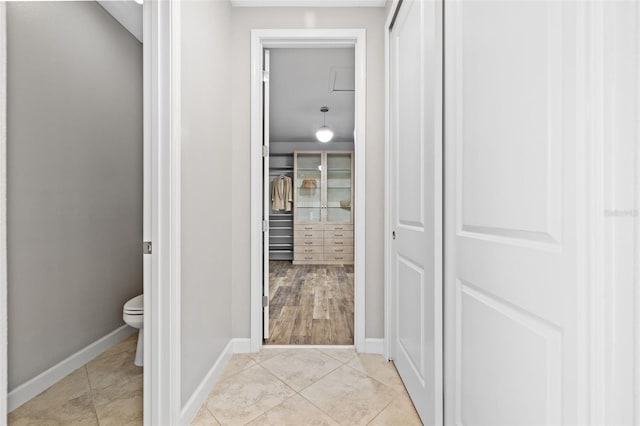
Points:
(282, 194)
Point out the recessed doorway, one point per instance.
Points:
(308, 259)
(309, 105)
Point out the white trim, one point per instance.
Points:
(296, 347)
(201, 393)
(387, 186)
(3, 213)
(314, 38)
(373, 346)
(636, 203)
(308, 3)
(44, 380)
(241, 345)
(162, 282)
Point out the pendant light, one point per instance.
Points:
(324, 134)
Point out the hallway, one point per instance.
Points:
(308, 387)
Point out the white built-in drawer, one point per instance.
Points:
(338, 227)
(308, 227)
(308, 249)
(310, 257)
(338, 234)
(308, 234)
(338, 257)
(305, 242)
(329, 242)
(339, 249)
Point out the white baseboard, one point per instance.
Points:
(42, 381)
(241, 345)
(373, 346)
(199, 396)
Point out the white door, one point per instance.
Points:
(517, 350)
(416, 203)
(267, 197)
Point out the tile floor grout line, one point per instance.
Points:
(320, 378)
(321, 410)
(265, 412)
(93, 397)
(278, 379)
(211, 412)
(384, 408)
(373, 378)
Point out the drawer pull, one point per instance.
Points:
(308, 235)
(339, 257)
(339, 250)
(308, 257)
(339, 242)
(309, 228)
(308, 250)
(308, 242)
(338, 235)
(338, 228)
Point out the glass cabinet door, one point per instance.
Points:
(339, 187)
(308, 188)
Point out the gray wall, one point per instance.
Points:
(207, 188)
(245, 19)
(74, 179)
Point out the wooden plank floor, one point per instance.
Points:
(310, 304)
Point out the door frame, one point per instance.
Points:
(4, 343)
(161, 65)
(274, 38)
(162, 221)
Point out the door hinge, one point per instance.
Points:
(265, 301)
(146, 247)
(265, 76)
(265, 150)
(265, 225)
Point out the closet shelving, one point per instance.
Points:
(280, 222)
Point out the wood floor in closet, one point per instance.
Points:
(310, 304)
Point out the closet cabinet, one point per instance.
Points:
(322, 207)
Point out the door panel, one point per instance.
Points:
(415, 90)
(512, 283)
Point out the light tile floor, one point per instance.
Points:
(274, 387)
(308, 387)
(106, 391)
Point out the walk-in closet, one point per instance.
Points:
(309, 199)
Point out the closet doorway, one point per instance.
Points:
(309, 194)
(310, 113)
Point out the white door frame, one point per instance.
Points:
(161, 209)
(271, 38)
(162, 135)
(393, 10)
(3, 214)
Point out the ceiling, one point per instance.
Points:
(128, 13)
(303, 80)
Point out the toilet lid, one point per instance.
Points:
(135, 305)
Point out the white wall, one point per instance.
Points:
(244, 20)
(74, 179)
(207, 187)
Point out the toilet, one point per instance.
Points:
(133, 315)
